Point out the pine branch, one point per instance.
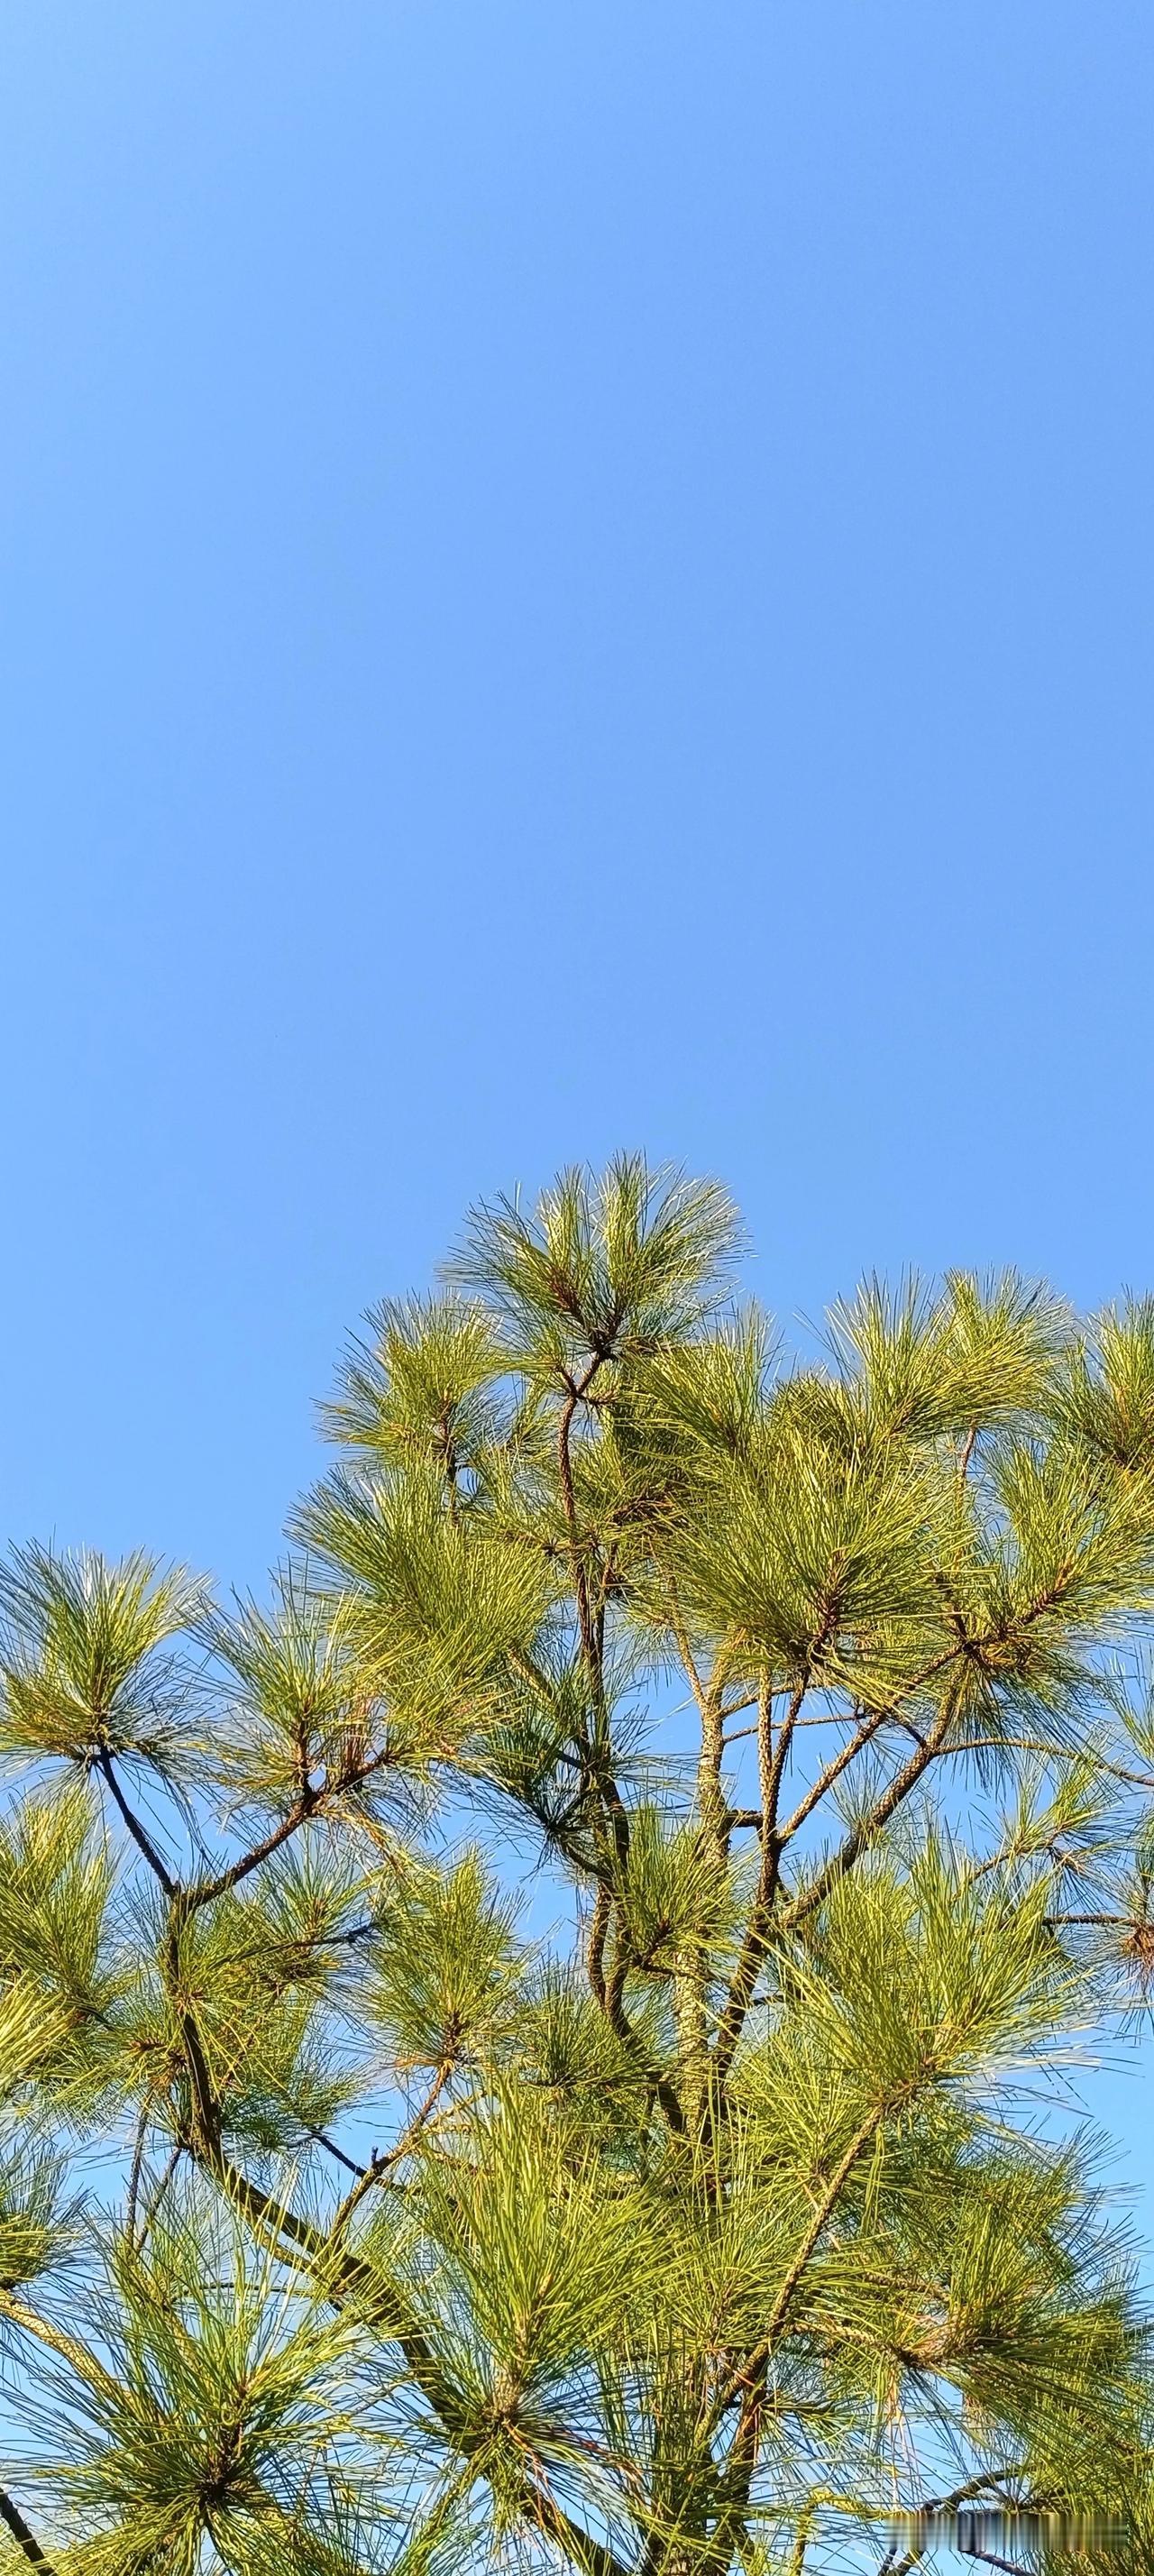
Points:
(866, 1833)
(986, 2484)
(752, 2371)
(380, 2167)
(67, 2347)
(595, 1944)
(134, 2173)
(206, 2114)
(26, 2541)
(142, 1840)
(157, 2196)
(772, 1760)
(321, 2138)
(593, 2557)
(342, 2275)
(577, 1389)
(820, 1788)
(575, 2325)
(312, 1802)
(749, 2383)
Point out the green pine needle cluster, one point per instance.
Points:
(550, 2043)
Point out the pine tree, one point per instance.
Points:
(547, 2042)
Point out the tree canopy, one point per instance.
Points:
(548, 2041)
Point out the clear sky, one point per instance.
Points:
(574, 574)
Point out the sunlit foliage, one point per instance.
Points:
(530, 2047)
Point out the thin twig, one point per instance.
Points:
(379, 2167)
(134, 2174)
(331, 2148)
(171, 2164)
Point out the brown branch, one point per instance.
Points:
(832, 1771)
(321, 2138)
(680, 1638)
(654, 2075)
(577, 1389)
(609, 1993)
(713, 1838)
(772, 1760)
(206, 2114)
(134, 2173)
(26, 2541)
(711, 1798)
(865, 1833)
(830, 1717)
(594, 2557)
(143, 1842)
(1100, 1922)
(311, 1802)
(170, 2168)
(750, 2382)
(591, 1624)
(342, 2274)
(595, 1945)
(204, 1891)
(892, 2565)
(869, 1726)
(802, 2539)
(863, 2137)
(1052, 1753)
(379, 2167)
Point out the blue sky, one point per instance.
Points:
(573, 575)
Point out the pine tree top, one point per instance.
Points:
(548, 2041)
